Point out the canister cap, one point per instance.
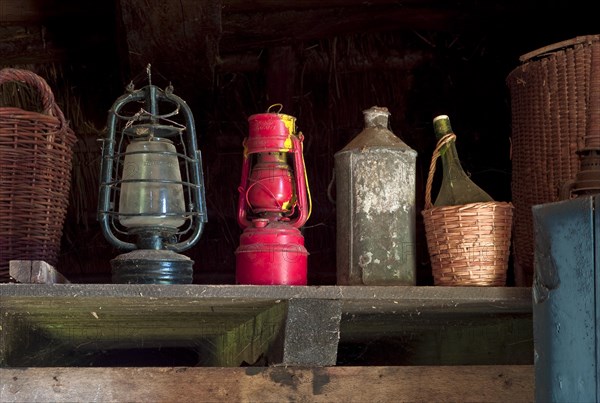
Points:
(376, 116)
(376, 134)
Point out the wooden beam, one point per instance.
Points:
(355, 299)
(256, 30)
(55, 31)
(244, 6)
(323, 384)
(40, 11)
(267, 25)
(37, 44)
(41, 324)
(312, 332)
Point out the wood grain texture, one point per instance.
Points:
(35, 272)
(65, 325)
(324, 384)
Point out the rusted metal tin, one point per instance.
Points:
(375, 203)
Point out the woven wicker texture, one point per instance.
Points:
(550, 92)
(35, 176)
(469, 244)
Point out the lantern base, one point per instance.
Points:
(271, 255)
(148, 266)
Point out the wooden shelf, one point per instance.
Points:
(73, 324)
(61, 327)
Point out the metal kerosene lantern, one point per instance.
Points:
(151, 201)
(274, 203)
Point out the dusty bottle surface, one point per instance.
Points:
(456, 187)
(375, 206)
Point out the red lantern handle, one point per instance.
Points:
(242, 202)
(302, 189)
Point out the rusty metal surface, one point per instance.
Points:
(375, 204)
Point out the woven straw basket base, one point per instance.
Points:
(469, 245)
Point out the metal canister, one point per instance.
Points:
(375, 206)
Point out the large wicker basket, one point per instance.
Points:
(35, 175)
(469, 244)
(550, 95)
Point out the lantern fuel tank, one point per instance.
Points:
(375, 206)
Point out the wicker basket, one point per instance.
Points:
(550, 95)
(469, 244)
(35, 176)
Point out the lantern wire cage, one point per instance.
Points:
(130, 122)
(119, 167)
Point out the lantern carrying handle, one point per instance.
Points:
(274, 106)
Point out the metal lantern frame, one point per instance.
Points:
(121, 129)
(271, 249)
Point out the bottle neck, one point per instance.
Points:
(449, 154)
(450, 160)
(456, 187)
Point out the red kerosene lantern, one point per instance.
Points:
(274, 203)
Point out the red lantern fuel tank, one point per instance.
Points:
(271, 253)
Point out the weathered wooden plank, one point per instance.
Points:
(324, 384)
(35, 272)
(245, 6)
(355, 299)
(79, 331)
(226, 325)
(255, 339)
(255, 30)
(259, 24)
(31, 11)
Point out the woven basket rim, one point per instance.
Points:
(477, 205)
(558, 46)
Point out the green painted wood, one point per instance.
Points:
(93, 324)
(247, 343)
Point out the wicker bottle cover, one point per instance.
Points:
(468, 239)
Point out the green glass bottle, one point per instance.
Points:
(456, 188)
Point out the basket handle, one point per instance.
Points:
(436, 154)
(30, 78)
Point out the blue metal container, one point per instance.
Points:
(566, 300)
